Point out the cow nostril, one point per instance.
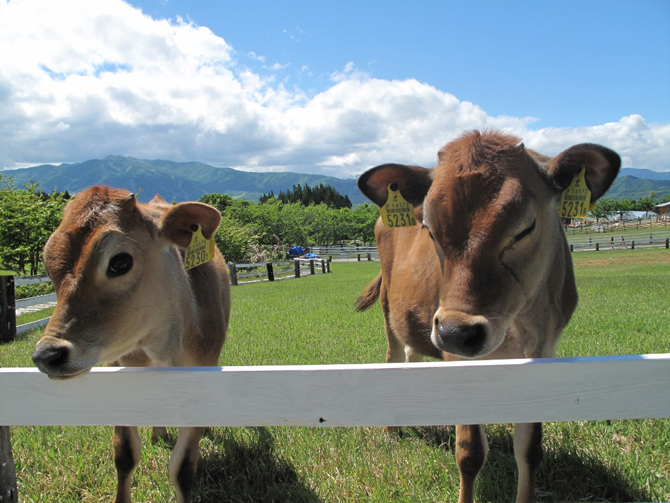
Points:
(464, 340)
(52, 357)
(474, 336)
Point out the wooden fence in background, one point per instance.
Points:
(258, 272)
(9, 305)
(603, 241)
(348, 252)
(273, 271)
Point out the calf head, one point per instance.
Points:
(489, 207)
(117, 271)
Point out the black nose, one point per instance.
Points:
(462, 340)
(50, 359)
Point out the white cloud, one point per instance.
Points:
(640, 144)
(82, 79)
(295, 35)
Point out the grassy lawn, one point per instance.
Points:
(37, 315)
(623, 309)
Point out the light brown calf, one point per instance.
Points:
(125, 298)
(486, 272)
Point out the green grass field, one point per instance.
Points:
(623, 310)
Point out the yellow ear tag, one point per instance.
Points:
(397, 212)
(200, 250)
(576, 199)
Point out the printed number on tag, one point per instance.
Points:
(397, 212)
(199, 251)
(576, 199)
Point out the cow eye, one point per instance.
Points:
(119, 265)
(525, 232)
(424, 226)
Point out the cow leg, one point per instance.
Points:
(412, 355)
(528, 454)
(395, 351)
(159, 433)
(471, 450)
(184, 462)
(127, 451)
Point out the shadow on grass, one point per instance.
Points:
(564, 475)
(247, 471)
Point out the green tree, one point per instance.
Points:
(605, 208)
(28, 219)
(624, 205)
(280, 221)
(364, 218)
(297, 227)
(320, 223)
(235, 240)
(647, 203)
(222, 202)
(310, 195)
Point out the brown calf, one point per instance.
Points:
(486, 272)
(125, 298)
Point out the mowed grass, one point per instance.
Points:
(623, 309)
(37, 315)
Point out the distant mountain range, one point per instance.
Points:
(174, 181)
(188, 181)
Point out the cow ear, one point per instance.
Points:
(602, 166)
(129, 202)
(178, 223)
(157, 200)
(412, 181)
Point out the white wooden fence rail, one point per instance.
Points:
(34, 301)
(31, 280)
(500, 391)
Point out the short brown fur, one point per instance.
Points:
(486, 273)
(125, 298)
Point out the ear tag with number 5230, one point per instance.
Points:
(576, 199)
(200, 250)
(397, 212)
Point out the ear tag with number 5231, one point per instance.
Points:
(397, 212)
(200, 250)
(576, 199)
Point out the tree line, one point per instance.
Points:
(264, 231)
(249, 232)
(310, 195)
(607, 208)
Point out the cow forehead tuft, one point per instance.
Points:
(94, 206)
(478, 150)
(89, 215)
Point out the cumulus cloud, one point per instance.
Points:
(640, 144)
(87, 79)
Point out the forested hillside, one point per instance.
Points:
(174, 181)
(184, 181)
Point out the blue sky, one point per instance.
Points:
(567, 63)
(329, 87)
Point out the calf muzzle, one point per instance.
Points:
(54, 359)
